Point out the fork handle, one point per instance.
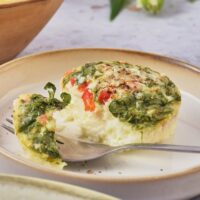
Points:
(161, 147)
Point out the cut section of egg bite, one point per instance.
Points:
(35, 127)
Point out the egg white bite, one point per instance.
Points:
(116, 103)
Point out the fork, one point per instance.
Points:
(75, 150)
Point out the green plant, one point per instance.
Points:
(151, 6)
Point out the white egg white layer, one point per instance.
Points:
(101, 126)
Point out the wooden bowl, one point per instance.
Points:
(20, 22)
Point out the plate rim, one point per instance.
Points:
(92, 177)
(55, 185)
(178, 62)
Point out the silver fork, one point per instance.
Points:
(75, 150)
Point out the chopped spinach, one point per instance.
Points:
(142, 110)
(45, 143)
(42, 138)
(88, 69)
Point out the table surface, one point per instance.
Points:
(174, 32)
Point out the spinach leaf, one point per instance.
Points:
(116, 7)
(66, 98)
(51, 88)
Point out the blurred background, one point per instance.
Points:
(174, 32)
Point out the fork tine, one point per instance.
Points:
(8, 128)
(9, 120)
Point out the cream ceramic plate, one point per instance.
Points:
(122, 174)
(34, 189)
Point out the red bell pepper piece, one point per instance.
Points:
(72, 81)
(88, 99)
(82, 87)
(104, 96)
